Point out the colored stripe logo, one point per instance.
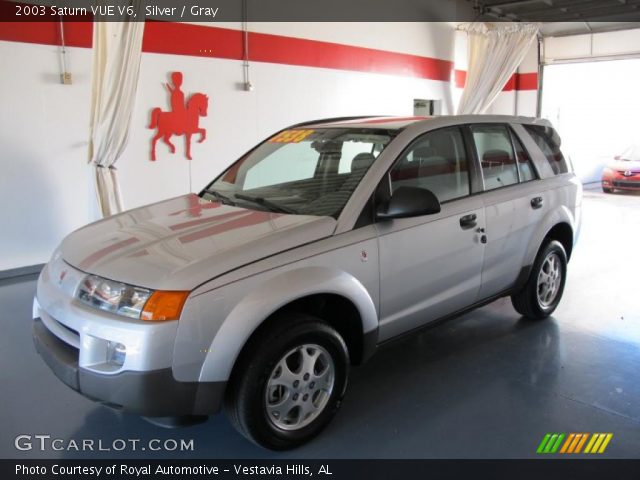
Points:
(574, 443)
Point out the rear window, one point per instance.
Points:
(549, 142)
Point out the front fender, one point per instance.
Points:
(272, 294)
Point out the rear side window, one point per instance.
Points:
(495, 151)
(548, 141)
(436, 162)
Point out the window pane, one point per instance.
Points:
(349, 151)
(547, 139)
(296, 162)
(438, 163)
(524, 161)
(493, 145)
(306, 171)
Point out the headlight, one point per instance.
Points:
(130, 301)
(113, 296)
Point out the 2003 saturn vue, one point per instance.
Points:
(315, 247)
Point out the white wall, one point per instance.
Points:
(46, 187)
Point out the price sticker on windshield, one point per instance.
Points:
(291, 136)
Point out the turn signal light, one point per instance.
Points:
(164, 305)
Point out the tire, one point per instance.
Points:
(280, 417)
(538, 299)
(607, 190)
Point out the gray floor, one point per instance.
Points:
(488, 385)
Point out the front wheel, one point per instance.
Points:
(607, 189)
(542, 293)
(289, 382)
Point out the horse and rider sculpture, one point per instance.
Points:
(181, 120)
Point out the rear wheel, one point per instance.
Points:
(543, 291)
(289, 382)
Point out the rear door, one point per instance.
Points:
(430, 266)
(513, 201)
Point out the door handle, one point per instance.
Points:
(537, 202)
(468, 221)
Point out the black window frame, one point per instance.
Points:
(515, 137)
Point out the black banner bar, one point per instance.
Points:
(542, 469)
(232, 10)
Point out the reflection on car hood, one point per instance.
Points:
(625, 165)
(180, 243)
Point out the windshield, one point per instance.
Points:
(301, 171)
(631, 154)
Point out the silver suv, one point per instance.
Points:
(321, 243)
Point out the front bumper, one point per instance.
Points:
(149, 393)
(620, 182)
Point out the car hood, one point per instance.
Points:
(625, 165)
(181, 243)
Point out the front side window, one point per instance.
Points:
(437, 162)
(302, 171)
(495, 151)
(548, 141)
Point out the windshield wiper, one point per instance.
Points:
(220, 196)
(266, 203)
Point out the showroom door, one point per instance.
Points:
(430, 266)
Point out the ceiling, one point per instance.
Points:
(564, 17)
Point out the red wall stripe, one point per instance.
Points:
(460, 78)
(518, 81)
(192, 40)
(76, 34)
(197, 40)
(313, 53)
(215, 42)
(527, 81)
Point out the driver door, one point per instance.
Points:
(430, 266)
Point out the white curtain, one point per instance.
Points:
(494, 52)
(117, 48)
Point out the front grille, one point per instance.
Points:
(625, 184)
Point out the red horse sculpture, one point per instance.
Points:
(178, 123)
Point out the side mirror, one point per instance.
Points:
(409, 202)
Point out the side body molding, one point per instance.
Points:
(267, 297)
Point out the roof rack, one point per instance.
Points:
(333, 120)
